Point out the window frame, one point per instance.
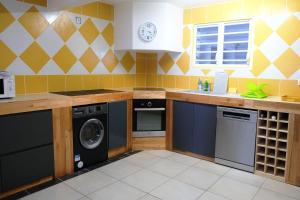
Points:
(220, 46)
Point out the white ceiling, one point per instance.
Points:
(61, 4)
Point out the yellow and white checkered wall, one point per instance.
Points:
(36, 41)
(276, 53)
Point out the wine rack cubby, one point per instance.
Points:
(272, 144)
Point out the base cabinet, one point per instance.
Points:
(25, 167)
(117, 120)
(26, 148)
(194, 128)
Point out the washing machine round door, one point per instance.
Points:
(91, 134)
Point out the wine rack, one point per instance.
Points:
(272, 144)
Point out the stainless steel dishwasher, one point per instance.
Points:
(235, 139)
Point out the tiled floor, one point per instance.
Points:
(154, 175)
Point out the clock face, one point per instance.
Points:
(147, 31)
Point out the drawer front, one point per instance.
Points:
(25, 130)
(25, 167)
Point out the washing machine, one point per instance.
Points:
(90, 135)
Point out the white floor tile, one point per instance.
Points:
(264, 194)
(84, 198)
(285, 189)
(168, 168)
(149, 197)
(212, 167)
(142, 159)
(119, 169)
(117, 191)
(161, 153)
(145, 180)
(211, 196)
(90, 182)
(245, 177)
(59, 191)
(186, 160)
(234, 190)
(198, 178)
(175, 190)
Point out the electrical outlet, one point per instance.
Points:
(78, 20)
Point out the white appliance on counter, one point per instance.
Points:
(7, 85)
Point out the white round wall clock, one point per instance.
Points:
(147, 31)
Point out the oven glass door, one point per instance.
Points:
(149, 120)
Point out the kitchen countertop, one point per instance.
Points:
(49, 101)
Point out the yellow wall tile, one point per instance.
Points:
(74, 82)
(293, 5)
(233, 83)
(141, 64)
(289, 87)
(106, 11)
(129, 80)
(182, 82)
(90, 9)
(151, 67)
(169, 81)
(271, 7)
(242, 84)
(64, 27)
(232, 10)
(252, 8)
(140, 80)
(118, 81)
(187, 16)
(198, 15)
(34, 22)
(20, 85)
(5, 17)
(214, 13)
(7, 56)
(77, 10)
(36, 84)
(151, 80)
(56, 83)
(105, 81)
(108, 34)
(272, 88)
(37, 2)
(193, 83)
(160, 81)
(90, 82)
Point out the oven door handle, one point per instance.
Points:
(149, 109)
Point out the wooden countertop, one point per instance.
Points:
(46, 101)
(49, 101)
(273, 103)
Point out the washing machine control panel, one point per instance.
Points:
(89, 110)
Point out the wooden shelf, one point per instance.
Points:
(272, 144)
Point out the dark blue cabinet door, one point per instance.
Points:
(183, 126)
(205, 117)
(117, 121)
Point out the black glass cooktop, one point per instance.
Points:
(85, 92)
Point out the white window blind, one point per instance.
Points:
(222, 44)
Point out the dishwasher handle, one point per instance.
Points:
(236, 115)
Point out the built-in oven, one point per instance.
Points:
(149, 118)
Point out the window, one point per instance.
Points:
(225, 45)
